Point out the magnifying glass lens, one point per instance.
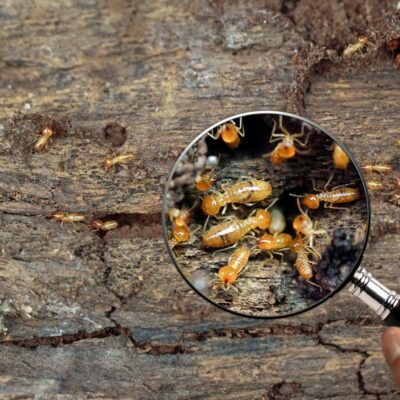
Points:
(266, 214)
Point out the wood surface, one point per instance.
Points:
(85, 315)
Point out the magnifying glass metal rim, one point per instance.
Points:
(323, 130)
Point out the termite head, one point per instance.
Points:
(302, 223)
(286, 149)
(183, 218)
(48, 132)
(227, 275)
(264, 218)
(204, 181)
(181, 233)
(229, 134)
(266, 242)
(311, 201)
(210, 205)
(173, 213)
(96, 224)
(107, 163)
(363, 40)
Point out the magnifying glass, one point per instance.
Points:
(266, 214)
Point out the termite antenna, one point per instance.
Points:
(300, 208)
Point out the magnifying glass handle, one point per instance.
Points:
(385, 302)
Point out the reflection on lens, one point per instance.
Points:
(265, 215)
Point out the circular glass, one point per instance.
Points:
(266, 214)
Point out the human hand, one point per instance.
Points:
(391, 350)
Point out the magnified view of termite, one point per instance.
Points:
(273, 243)
(205, 180)
(117, 159)
(242, 192)
(302, 224)
(234, 229)
(286, 148)
(230, 133)
(45, 137)
(302, 263)
(337, 195)
(228, 274)
(180, 220)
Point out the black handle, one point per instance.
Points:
(393, 319)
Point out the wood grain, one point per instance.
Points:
(85, 316)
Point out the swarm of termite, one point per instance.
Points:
(261, 231)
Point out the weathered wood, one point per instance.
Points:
(108, 316)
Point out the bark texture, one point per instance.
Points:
(88, 315)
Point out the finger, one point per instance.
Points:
(391, 350)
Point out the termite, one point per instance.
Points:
(375, 185)
(302, 263)
(241, 192)
(180, 220)
(99, 225)
(181, 233)
(303, 224)
(67, 217)
(379, 168)
(44, 139)
(337, 195)
(271, 243)
(112, 161)
(340, 159)
(228, 274)
(230, 133)
(205, 181)
(233, 230)
(286, 147)
(351, 49)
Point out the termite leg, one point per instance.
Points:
(342, 186)
(241, 128)
(282, 128)
(275, 137)
(215, 135)
(224, 249)
(300, 208)
(206, 223)
(314, 284)
(329, 181)
(330, 205)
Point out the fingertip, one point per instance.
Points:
(391, 347)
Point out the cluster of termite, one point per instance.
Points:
(231, 231)
(109, 163)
